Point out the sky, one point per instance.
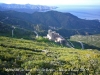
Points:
(53, 2)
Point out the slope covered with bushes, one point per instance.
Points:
(45, 58)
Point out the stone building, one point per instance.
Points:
(52, 35)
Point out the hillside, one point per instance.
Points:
(23, 54)
(64, 23)
(92, 40)
(6, 30)
(19, 56)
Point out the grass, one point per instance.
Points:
(46, 58)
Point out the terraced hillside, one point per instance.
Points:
(38, 57)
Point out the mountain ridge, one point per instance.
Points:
(61, 22)
(29, 8)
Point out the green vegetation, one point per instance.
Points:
(39, 56)
(42, 57)
(6, 30)
(92, 40)
(64, 23)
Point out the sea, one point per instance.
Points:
(90, 12)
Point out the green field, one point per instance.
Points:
(39, 57)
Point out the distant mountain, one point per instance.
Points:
(29, 8)
(64, 23)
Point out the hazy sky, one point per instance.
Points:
(54, 2)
